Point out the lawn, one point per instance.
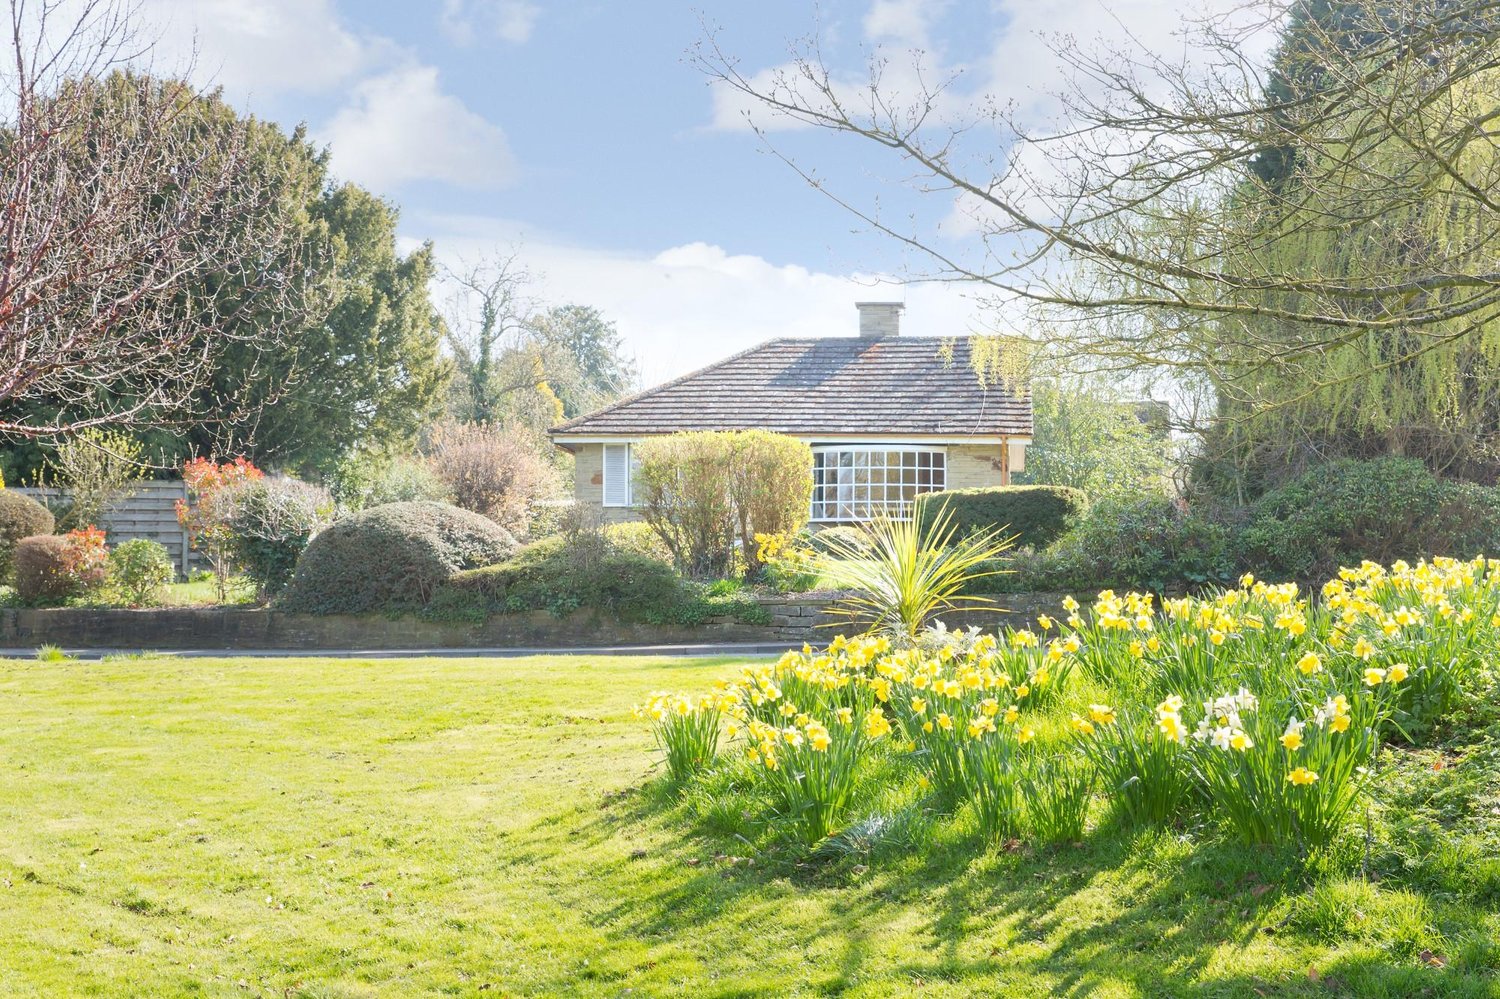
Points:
(333, 828)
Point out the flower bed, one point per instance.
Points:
(1253, 708)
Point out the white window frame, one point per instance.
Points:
(856, 501)
(605, 476)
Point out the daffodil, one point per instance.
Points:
(1302, 776)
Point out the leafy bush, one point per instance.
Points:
(93, 469)
(269, 523)
(705, 492)
(1035, 515)
(86, 559)
(635, 536)
(139, 568)
(364, 480)
(680, 487)
(1147, 543)
(770, 487)
(392, 557)
(561, 575)
(553, 575)
(205, 514)
(20, 517)
(54, 568)
(496, 471)
(1348, 511)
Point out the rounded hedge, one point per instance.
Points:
(41, 567)
(1036, 515)
(392, 557)
(1384, 509)
(548, 575)
(20, 517)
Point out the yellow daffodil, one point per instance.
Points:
(1302, 776)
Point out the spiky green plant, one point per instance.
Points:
(903, 575)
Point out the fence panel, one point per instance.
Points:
(149, 511)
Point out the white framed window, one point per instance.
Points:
(859, 482)
(620, 467)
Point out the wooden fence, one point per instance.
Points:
(150, 511)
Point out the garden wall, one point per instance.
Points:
(794, 619)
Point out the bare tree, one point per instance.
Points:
(1144, 208)
(488, 320)
(128, 237)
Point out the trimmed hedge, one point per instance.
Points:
(609, 577)
(41, 568)
(1349, 510)
(392, 557)
(1037, 515)
(20, 517)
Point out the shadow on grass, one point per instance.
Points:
(1154, 912)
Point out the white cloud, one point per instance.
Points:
(905, 22)
(465, 21)
(400, 126)
(690, 305)
(260, 47)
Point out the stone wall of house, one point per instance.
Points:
(794, 619)
(973, 466)
(588, 485)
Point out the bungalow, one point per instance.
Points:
(887, 416)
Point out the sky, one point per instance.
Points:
(584, 135)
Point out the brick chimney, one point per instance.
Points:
(879, 318)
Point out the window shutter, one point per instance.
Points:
(617, 475)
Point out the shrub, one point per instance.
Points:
(770, 487)
(681, 491)
(1348, 511)
(705, 492)
(20, 517)
(93, 469)
(269, 523)
(86, 559)
(560, 575)
(54, 568)
(1147, 543)
(556, 576)
(139, 568)
(498, 472)
(205, 517)
(1035, 515)
(638, 537)
(392, 557)
(363, 480)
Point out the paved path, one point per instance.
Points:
(708, 649)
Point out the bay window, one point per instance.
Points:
(862, 482)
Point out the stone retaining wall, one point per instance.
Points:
(795, 618)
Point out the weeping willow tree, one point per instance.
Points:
(1293, 394)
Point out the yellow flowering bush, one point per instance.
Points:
(1255, 707)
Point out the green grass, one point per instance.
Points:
(345, 828)
(205, 593)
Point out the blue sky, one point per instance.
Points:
(581, 133)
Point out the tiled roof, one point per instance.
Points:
(833, 385)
